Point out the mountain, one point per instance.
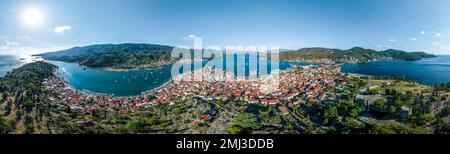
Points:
(116, 56)
(423, 54)
(132, 56)
(353, 55)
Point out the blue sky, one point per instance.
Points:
(410, 25)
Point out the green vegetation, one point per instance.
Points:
(4, 128)
(116, 56)
(26, 100)
(443, 128)
(396, 129)
(244, 121)
(353, 55)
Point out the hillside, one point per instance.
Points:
(353, 55)
(116, 56)
(25, 106)
(423, 54)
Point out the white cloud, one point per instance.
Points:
(8, 43)
(413, 39)
(422, 32)
(383, 47)
(14, 48)
(443, 49)
(437, 43)
(192, 37)
(62, 29)
(438, 34)
(392, 40)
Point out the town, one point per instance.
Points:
(301, 84)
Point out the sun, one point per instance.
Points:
(32, 16)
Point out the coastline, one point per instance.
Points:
(110, 69)
(57, 74)
(171, 80)
(142, 94)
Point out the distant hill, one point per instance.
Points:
(353, 55)
(116, 56)
(132, 56)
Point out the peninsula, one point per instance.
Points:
(353, 55)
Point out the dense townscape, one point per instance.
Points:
(300, 85)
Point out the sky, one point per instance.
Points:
(35, 26)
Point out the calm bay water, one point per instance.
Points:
(119, 83)
(429, 71)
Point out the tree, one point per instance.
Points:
(392, 109)
(388, 91)
(408, 96)
(350, 126)
(421, 119)
(444, 97)
(276, 120)
(245, 121)
(443, 129)
(381, 129)
(143, 125)
(218, 102)
(445, 112)
(380, 105)
(8, 108)
(4, 128)
(4, 96)
(330, 113)
(233, 130)
(434, 98)
(398, 102)
(374, 91)
(354, 112)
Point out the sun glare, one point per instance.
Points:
(32, 17)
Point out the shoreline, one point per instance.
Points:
(171, 80)
(142, 94)
(110, 69)
(67, 84)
